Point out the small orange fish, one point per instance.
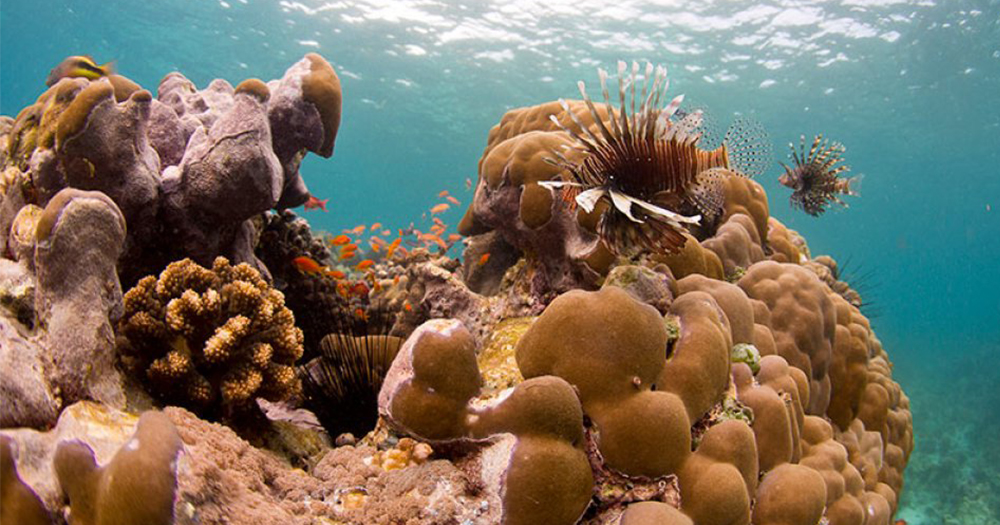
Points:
(340, 240)
(314, 203)
(365, 264)
(484, 258)
(441, 208)
(468, 184)
(437, 230)
(357, 230)
(443, 194)
(306, 265)
(375, 247)
(395, 280)
(359, 289)
(336, 274)
(386, 233)
(375, 226)
(349, 247)
(453, 200)
(361, 314)
(454, 237)
(438, 221)
(347, 254)
(407, 307)
(342, 289)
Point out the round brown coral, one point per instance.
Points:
(212, 340)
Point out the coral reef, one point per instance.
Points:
(570, 371)
(173, 163)
(211, 339)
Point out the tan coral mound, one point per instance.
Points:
(210, 339)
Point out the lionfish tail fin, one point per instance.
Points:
(854, 185)
(749, 147)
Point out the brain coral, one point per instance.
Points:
(211, 339)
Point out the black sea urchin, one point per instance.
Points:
(647, 167)
(341, 386)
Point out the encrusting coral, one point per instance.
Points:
(210, 339)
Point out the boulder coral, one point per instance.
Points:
(173, 163)
(59, 348)
(136, 487)
(211, 339)
(539, 471)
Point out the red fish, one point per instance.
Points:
(365, 264)
(453, 200)
(484, 258)
(314, 203)
(306, 265)
(336, 274)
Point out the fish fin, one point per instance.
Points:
(623, 203)
(109, 68)
(708, 192)
(588, 199)
(748, 146)
(556, 184)
(854, 185)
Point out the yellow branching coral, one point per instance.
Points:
(210, 339)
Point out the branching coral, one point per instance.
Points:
(210, 339)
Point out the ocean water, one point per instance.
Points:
(912, 88)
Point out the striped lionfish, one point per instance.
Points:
(814, 179)
(647, 166)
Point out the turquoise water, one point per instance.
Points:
(911, 88)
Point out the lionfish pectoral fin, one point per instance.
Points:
(675, 219)
(588, 199)
(556, 184)
(624, 204)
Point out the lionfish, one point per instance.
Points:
(647, 165)
(814, 179)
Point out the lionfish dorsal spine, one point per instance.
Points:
(592, 146)
(593, 113)
(644, 104)
(626, 133)
(586, 129)
(635, 70)
(603, 75)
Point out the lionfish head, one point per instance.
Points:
(643, 164)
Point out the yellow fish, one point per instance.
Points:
(79, 67)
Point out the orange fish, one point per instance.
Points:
(386, 233)
(375, 226)
(361, 314)
(441, 208)
(336, 274)
(357, 230)
(444, 193)
(365, 264)
(395, 280)
(347, 254)
(306, 265)
(438, 221)
(407, 307)
(453, 200)
(360, 289)
(437, 230)
(349, 248)
(314, 203)
(375, 247)
(484, 258)
(468, 184)
(454, 237)
(340, 240)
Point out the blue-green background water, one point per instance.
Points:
(911, 87)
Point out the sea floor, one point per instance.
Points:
(953, 477)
